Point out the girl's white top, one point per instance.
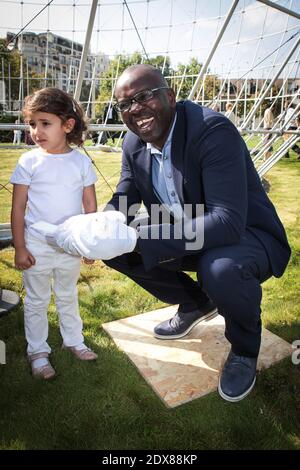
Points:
(55, 184)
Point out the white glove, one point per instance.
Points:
(99, 235)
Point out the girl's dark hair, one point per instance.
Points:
(60, 103)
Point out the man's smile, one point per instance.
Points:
(144, 124)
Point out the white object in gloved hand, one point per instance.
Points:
(99, 235)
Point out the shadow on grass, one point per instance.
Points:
(288, 331)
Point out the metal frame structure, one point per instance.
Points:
(198, 86)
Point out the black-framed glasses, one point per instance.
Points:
(141, 97)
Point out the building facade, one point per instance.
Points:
(57, 59)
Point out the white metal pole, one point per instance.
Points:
(85, 50)
(213, 49)
(9, 87)
(27, 77)
(281, 8)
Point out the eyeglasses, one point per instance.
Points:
(141, 97)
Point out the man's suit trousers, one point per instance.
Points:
(230, 276)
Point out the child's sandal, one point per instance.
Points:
(85, 354)
(45, 372)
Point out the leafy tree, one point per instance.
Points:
(34, 81)
(211, 87)
(10, 67)
(162, 63)
(185, 78)
(243, 108)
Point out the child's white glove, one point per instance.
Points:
(99, 235)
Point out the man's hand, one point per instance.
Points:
(88, 261)
(23, 258)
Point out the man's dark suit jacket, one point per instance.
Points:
(211, 166)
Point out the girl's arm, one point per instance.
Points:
(89, 203)
(23, 258)
(89, 200)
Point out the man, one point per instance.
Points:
(291, 122)
(110, 116)
(268, 124)
(182, 153)
(17, 134)
(230, 114)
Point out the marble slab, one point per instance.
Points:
(188, 368)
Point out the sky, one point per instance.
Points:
(179, 28)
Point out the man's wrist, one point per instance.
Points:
(137, 248)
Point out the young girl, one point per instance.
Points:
(53, 182)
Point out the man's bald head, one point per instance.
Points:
(144, 71)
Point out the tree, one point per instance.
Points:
(10, 70)
(244, 109)
(163, 63)
(34, 81)
(211, 87)
(185, 78)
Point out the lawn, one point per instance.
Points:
(107, 404)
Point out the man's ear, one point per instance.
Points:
(172, 97)
(69, 125)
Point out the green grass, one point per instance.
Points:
(107, 404)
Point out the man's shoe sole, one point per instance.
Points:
(239, 397)
(213, 313)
